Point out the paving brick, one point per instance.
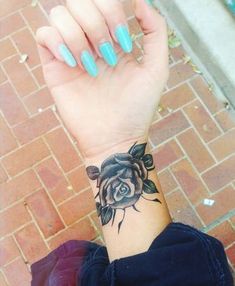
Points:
(189, 181)
(54, 180)
(195, 149)
(25, 157)
(177, 53)
(167, 181)
(8, 250)
(167, 154)
(202, 89)
(37, 72)
(19, 76)
(67, 156)
(181, 210)
(7, 49)
(231, 254)
(82, 230)
(179, 73)
(224, 145)
(2, 280)
(3, 77)
(168, 127)
(17, 273)
(38, 101)
(31, 243)
(18, 187)
(48, 5)
(8, 141)
(27, 45)
(77, 207)
(224, 232)
(44, 213)
(79, 179)
(11, 105)
(3, 175)
(13, 218)
(36, 126)
(202, 121)
(10, 24)
(226, 120)
(220, 175)
(224, 202)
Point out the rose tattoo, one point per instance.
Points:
(122, 180)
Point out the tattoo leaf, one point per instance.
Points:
(137, 151)
(93, 172)
(149, 187)
(98, 207)
(106, 215)
(148, 162)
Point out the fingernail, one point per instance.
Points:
(149, 2)
(108, 53)
(89, 63)
(124, 38)
(67, 56)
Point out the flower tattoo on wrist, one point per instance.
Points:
(122, 180)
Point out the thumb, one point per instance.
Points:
(155, 35)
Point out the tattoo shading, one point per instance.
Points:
(122, 180)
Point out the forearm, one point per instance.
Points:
(129, 199)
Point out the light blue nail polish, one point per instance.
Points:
(108, 53)
(67, 56)
(89, 63)
(149, 2)
(124, 38)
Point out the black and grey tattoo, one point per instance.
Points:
(122, 180)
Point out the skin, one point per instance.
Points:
(109, 113)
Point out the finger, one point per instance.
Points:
(93, 24)
(155, 35)
(74, 38)
(116, 20)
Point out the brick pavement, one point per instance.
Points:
(45, 195)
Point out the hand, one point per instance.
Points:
(117, 104)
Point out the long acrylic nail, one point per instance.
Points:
(67, 56)
(108, 53)
(149, 2)
(89, 63)
(124, 38)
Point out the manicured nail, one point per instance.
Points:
(149, 2)
(89, 63)
(124, 38)
(108, 53)
(67, 56)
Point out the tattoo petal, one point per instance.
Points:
(93, 172)
(149, 187)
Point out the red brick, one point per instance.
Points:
(48, 5)
(231, 254)
(8, 141)
(19, 76)
(31, 243)
(25, 157)
(36, 126)
(77, 207)
(202, 121)
(220, 175)
(44, 213)
(8, 250)
(67, 156)
(79, 179)
(177, 53)
(3, 77)
(35, 17)
(38, 100)
(11, 23)
(195, 149)
(18, 187)
(168, 127)
(181, 210)
(189, 181)
(179, 73)
(13, 218)
(2, 280)
(202, 89)
(7, 49)
(167, 181)
(167, 154)
(82, 230)
(3, 175)
(17, 273)
(37, 72)
(224, 202)
(224, 232)
(224, 145)
(54, 180)
(226, 120)
(11, 105)
(27, 45)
